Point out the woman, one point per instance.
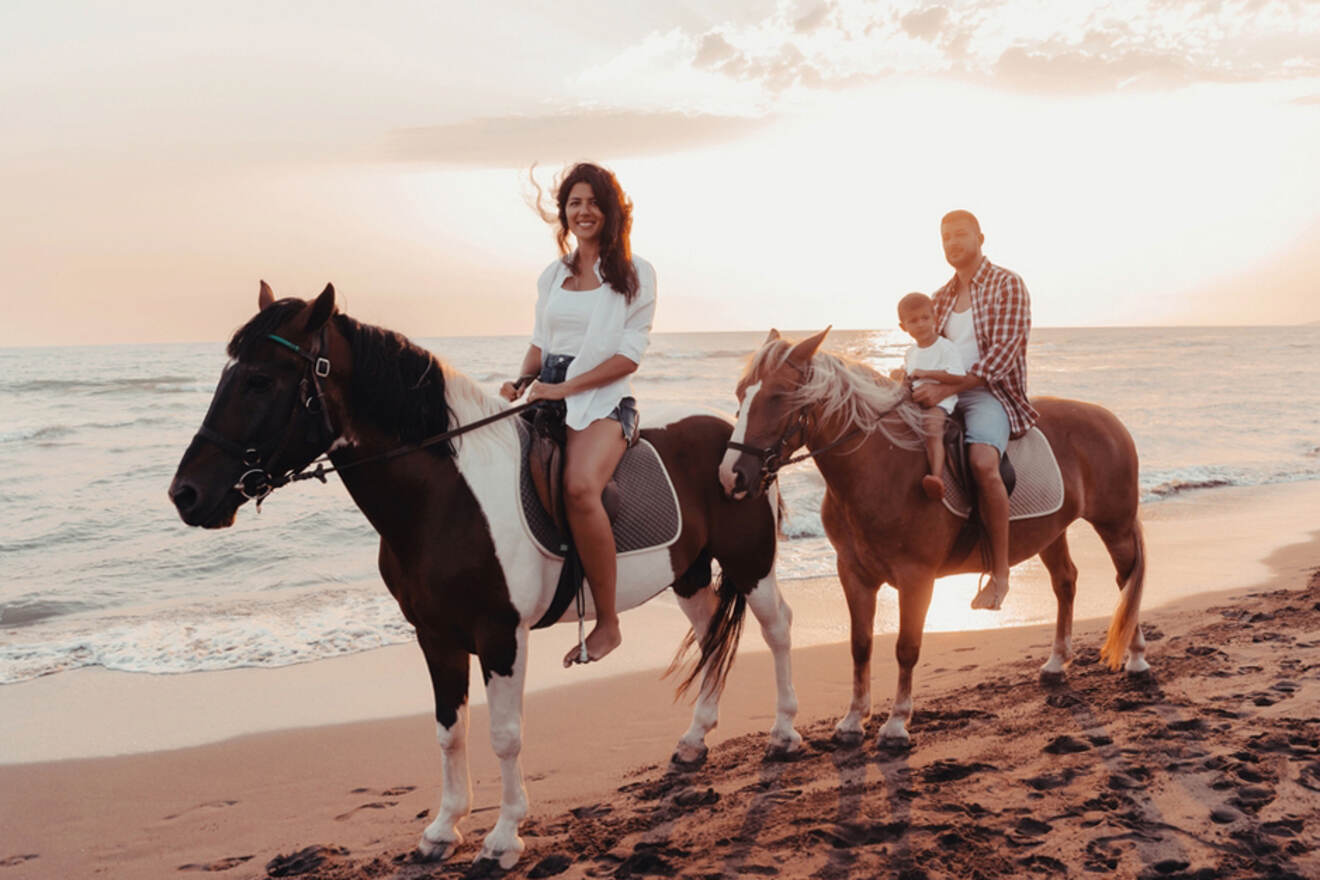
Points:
(593, 322)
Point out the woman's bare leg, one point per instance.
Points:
(590, 458)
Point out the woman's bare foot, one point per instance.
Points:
(991, 596)
(933, 486)
(602, 639)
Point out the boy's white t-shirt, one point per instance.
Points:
(942, 354)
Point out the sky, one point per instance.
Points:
(1137, 163)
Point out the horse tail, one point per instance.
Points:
(1126, 616)
(719, 646)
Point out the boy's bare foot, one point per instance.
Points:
(991, 596)
(602, 639)
(933, 486)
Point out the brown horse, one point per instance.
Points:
(304, 379)
(885, 530)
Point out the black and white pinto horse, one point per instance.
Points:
(304, 380)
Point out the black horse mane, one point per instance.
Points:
(397, 385)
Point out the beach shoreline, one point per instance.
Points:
(365, 785)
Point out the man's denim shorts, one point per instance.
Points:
(984, 417)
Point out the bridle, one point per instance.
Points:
(257, 481)
(771, 457)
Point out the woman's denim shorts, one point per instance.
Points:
(554, 369)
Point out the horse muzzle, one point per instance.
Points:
(741, 475)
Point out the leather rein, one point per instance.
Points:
(257, 482)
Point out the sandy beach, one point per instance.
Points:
(1211, 768)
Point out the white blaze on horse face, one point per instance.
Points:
(739, 436)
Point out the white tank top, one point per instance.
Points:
(961, 331)
(567, 314)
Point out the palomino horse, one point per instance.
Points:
(885, 530)
(304, 379)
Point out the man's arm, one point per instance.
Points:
(1008, 323)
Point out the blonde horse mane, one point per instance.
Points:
(849, 391)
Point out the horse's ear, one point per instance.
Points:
(771, 336)
(322, 309)
(802, 353)
(265, 297)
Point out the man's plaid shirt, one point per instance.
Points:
(1001, 316)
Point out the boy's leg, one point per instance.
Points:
(933, 483)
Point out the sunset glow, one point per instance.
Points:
(1136, 163)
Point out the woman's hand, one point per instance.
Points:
(539, 390)
(510, 391)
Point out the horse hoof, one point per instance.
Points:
(784, 753)
(485, 867)
(1052, 678)
(1140, 676)
(435, 850)
(688, 759)
(848, 739)
(894, 744)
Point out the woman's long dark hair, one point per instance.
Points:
(616, 265)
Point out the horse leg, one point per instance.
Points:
(860, 593)
(776, 618)
(691, 748)
(449, 679)
(913, 602)
(1127, 549)
(1063, 578)
(504, 696)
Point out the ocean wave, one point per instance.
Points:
(48, 434)
(103, 386)
(208, 639)
(27, 612)
(1177, 487)
(700, 355)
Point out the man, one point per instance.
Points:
(986, 312)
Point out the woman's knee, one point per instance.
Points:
(581, 490)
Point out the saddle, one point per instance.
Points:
(545, 461)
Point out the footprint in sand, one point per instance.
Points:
(218, 865)
(11, 861)
(209, 805)
(375, 805)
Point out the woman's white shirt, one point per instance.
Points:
(614, 326)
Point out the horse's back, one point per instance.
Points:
(1095, 452)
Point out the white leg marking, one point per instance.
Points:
(776, 619)
(505, 698)
(739, 436)
(691, 746)
(1136, 661)
(442, 836)
(894, 731)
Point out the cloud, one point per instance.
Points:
(607, 134)
(924, 24)
(1307, 99)
(1059, 48)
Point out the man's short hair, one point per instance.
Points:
(954, 216)
(913, 301)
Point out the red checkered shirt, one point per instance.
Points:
(1001, 317)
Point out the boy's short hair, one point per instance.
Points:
(912, 302)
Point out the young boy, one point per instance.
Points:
(929, 360)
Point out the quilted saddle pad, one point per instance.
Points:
(1039, 490)
(648, 516)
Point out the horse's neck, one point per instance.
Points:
(856, 466)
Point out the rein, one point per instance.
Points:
(257, 482)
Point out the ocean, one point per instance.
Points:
(96, 568)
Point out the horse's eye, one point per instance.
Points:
(258, 383)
